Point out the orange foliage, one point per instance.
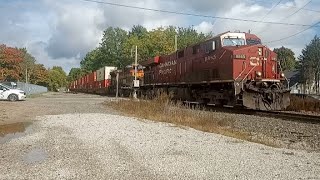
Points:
(9, 63)
(39, 75)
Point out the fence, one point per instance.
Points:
(31, 88)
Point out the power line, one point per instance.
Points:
(289, 15)
(269, 11)
(196, 15)
(297, 10)
(314, 25)
(286, 5)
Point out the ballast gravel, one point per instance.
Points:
(103, 146)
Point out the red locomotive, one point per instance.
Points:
(229, 69)
(232, 68)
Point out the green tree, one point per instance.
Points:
(74, 74)
(57, 78)
(109, 53)
(27, 65)
(189, 36)
(92, 61)
(112, 47)
(309, 64)
(286, 58)
(118, 46)
(139, 31)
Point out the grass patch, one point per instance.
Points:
(161, 109)
(303, 103)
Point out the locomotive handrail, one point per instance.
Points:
(242, 70)
(288, 83)
(248, 74)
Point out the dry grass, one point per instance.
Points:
(161, 109)
(304, 104)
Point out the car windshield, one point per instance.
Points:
(233, 42)
(5, 86)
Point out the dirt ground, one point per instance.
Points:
(51, 104)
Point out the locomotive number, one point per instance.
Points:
(210, 58)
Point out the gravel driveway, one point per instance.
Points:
(102, 146)
(76, 137)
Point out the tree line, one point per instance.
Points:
(17, 64)
(307, 64)
(117, 47)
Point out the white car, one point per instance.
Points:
(6, 93)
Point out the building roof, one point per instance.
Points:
(293, 76)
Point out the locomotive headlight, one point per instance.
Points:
(259, 74)
(282, 75)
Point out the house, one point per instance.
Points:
(300, 88)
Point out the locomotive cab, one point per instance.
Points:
(259, 81)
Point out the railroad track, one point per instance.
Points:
(275, 114)
(291, 116)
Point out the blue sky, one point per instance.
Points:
(61, 32)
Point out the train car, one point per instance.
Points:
(232, 68)
(125, 80)
(103, 81)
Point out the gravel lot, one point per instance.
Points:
(85, 140)
(51, 104)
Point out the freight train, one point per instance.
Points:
(232, 68)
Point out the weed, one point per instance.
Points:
(301, 103)
(163, 110)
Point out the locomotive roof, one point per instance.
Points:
(246, 35)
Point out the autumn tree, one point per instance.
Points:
(9, 63)
(286, 58)
(39, 75)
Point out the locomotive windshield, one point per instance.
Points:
(253, 41)
(227, 41)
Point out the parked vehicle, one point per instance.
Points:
(7, 93)
(12, 85)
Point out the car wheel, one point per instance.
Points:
(13, 97)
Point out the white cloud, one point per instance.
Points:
(62, 32)
(268, 32)
(38, 49)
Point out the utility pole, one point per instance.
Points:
(176, 43)
(117, 79)
(135, 74)
(26, 75)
